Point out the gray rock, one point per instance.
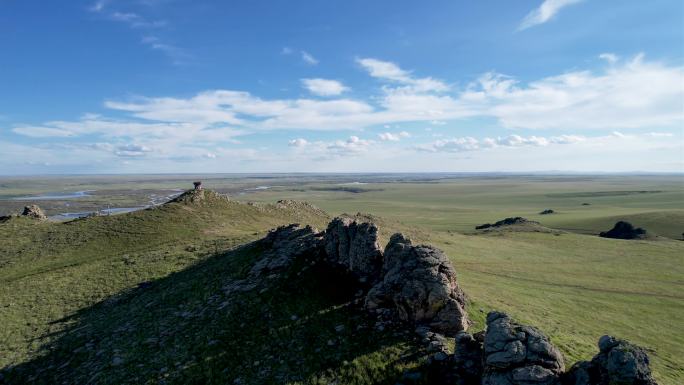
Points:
(518, 355)
(34, 212)
(420, 285)
(533, 375)
(618, 363)
(286, 243)
(354, 246)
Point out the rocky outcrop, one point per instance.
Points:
(286, 243)
(547, 212)
(416, 284)
(618, 363)
(419, 284)
(33, 212)
(354, 246)
(624, 230)
(516, 354)
(506, 222)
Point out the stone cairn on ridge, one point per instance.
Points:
(416, 284)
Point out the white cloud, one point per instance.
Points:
(545, 12)
(635, 94)
(178, 55)
(388, 136)
(609, 57)
(390, 71)
(308, 58)
(98, 6)
(472, 144)
(299, 142)
(324, 87)
(320, 150)
(286, 51)
(132, 150)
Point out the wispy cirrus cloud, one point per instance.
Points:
(136, 21)
(309, 58)
(390, 71)
(545, 12)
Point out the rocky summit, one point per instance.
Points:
(413, 284)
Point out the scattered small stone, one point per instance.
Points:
(116, 361)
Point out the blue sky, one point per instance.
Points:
(128, 86)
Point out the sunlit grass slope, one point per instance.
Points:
(72, 288)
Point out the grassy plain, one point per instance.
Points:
(58, 277)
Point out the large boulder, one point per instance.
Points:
(516, 354)
(354, 247)
(286, 243)
(419, 284)
(618, 363)
(624, 230)
(34, 212)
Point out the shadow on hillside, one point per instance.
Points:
(184, 328)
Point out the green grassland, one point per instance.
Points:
(71, 309)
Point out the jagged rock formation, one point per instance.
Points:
(286, 243)
(417, 285)
(506, 222)
(516, 354)
(617, 363)
(33, 211)
(624, 230)
(354, 246)
(420, 284)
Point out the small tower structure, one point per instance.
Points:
(198, 185)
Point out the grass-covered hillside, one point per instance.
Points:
(141, 297)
